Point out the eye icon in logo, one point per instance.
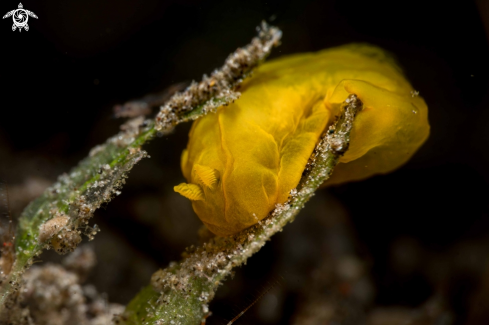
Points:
(20, 17)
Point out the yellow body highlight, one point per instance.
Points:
(259, 145)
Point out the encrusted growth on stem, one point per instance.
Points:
(60, 215)
(180, 293)
(219, 88)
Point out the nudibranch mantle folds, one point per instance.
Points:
(244, 159)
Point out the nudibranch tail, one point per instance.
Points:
(192, 192)
(207, 176)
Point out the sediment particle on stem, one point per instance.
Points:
(58, 235)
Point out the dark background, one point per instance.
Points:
(60, 80)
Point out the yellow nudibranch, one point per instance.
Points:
(244, 159)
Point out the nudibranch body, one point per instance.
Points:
(244, 159)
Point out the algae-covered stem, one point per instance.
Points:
(220, 88)
(75, 196)
(180, 293)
